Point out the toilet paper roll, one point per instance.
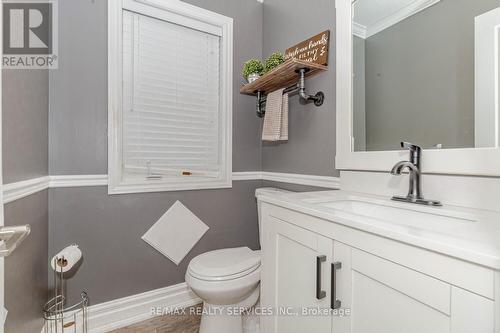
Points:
(66, 259)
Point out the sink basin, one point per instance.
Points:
(395, 212)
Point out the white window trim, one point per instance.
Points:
(184, 14)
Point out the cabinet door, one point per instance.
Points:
(295, 278)
(385, 297)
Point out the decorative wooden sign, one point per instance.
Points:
(315, 49)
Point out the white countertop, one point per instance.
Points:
(471, 235)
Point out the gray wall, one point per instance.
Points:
(24, 124)
(78, 90)
(311, 145)
(24, 141)
(358, 98)
(117, 262)
(420, 78)
(26, 268)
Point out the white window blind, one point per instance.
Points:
(171, 100)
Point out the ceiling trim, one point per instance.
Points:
(359, 30)
(389, 21)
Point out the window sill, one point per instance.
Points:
(126, 187)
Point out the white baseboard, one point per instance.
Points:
(18, 190)
(126, 311)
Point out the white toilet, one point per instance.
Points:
(227, 281)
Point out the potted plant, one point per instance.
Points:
(252, 70)
(274, 61)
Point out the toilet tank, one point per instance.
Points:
(261, 191)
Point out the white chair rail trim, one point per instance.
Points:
(129, 310)
(18, 190)
(302, 179)
(78, 180)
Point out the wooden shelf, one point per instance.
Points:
(282, 76)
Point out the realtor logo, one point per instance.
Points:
(29, 34)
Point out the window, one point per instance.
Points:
(170, 97)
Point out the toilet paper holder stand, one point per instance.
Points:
(60, 317)
(11, 237)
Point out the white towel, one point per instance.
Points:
(276, 117)
(284, 119)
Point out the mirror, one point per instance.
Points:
(425, 71)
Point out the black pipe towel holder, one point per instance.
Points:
(299, 88)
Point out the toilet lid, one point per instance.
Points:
(225, 262)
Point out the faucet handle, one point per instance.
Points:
(414, 151)
(410, 146)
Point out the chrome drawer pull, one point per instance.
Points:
(336, 304)
(320, 294)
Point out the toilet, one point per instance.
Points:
(227, 280)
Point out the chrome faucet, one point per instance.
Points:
(413, 165)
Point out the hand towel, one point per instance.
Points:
(284, 119)
(276, 117)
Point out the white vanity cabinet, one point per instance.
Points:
(384, 286)
(385, 297)
(296, 276)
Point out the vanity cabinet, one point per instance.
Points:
(383, 286)
(384, 297)
(296, 277)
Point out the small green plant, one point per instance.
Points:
(252, 66)
(274, 61)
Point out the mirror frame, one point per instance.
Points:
(467, 161)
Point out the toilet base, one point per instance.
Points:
(251, 322)
(230, 318)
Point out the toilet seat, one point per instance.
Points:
(225, 264)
